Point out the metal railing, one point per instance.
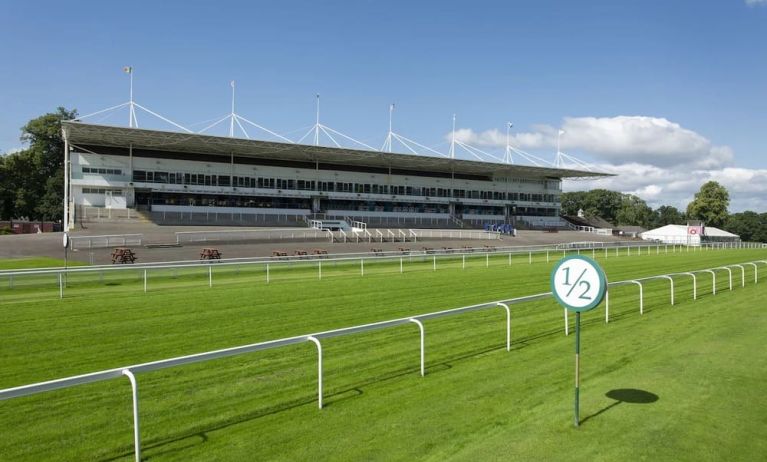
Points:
(544, 253)
(104, 241)
(249, 234)
(315, 338)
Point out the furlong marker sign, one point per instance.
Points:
(578, 284)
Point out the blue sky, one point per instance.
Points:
(665, 93)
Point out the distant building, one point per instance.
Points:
(691, 234)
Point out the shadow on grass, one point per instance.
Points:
(625, 395)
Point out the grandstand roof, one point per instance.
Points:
(80, 133)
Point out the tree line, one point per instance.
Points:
(710, 205)
(32, 187)
(32, 179)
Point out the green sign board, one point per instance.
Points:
(578, 283)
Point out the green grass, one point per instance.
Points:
(478, 402)
(35, 262)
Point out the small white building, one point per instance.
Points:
(688, 235)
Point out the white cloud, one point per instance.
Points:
(654, 158)
(657, 141)
(756, 2)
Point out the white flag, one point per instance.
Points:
(128, 69)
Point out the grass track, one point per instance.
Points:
(477, 401)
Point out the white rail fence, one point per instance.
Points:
(105, 241)
(316, 338)
(60, 276)
(245, 235)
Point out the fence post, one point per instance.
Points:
(567, 323)
(423, 335)
(508, 325)
(136, 427)
(144, 280)
(362, 266)
(267, 273)
(530, 257)
(210, 275)
(487, 260)
(607, 305)
(510, 258)
(61, 286)
(319, 369)
(463, 261)
(400, 264)
(434, 266)
(319, 269)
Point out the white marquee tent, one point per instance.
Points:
(682, 234)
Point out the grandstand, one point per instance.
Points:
(186, 178)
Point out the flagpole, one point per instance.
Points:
(452, 142)
(231, 117)
(317, 124)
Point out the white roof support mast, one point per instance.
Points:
(318, 128)
(132, 105)
(507, 157)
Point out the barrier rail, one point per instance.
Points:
(130, 371)
(104, 241)
(61, 273)
(249, 234)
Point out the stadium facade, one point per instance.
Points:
(173, 174)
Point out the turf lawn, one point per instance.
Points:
(703, 359)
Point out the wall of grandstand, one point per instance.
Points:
(125, 175)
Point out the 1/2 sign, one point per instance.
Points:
(578, 283)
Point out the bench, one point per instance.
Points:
(279, 253)
(123, 255)
(210, 254)
(377, 252)
(319, 252)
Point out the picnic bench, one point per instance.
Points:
(123, 255)
(428, 249)
(300, 253)
(210, 253)
(404, 250)
(279, 253)
(319, 252)
(377, 252)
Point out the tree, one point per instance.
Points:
(571, 202)
(710, 204)
(634, 211)
(31, 180)
(667, 215)
(750, 226)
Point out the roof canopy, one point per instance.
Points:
(79, 133)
